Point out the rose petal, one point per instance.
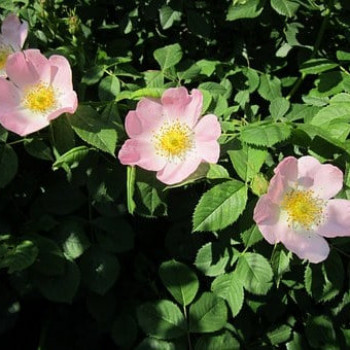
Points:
(150, 114)
(14, 31)
(9, 96)
(178, 104)
(337, 214)
(285, 176)
(306, 245)
(27, 68)
(141, 153)
(208, 128)
(22, 123)
(209, 151)
(177, 172)
(325, 180)
(267, 217)
(61, 77)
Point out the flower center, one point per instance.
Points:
(174, 140)
(40, 98)
(4, 53)
(303, 208)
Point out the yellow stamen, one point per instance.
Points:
(40, 98)
(174, 140)
(303, 208)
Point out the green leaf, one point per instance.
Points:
(279, 107)
(3, 134)
(154, 79)
(72, 237)
(19, 256)
(161, 319)
(280, 262)
(99, 270)
(217, 171)
(50, 260)
(251, 236)
(180, 280)
(279, 334)
(215, 342)
(247, 161)
(72, 158)
(297, 343)
(93, 75)
(109, 88)
(155, 344)
(255, 272)
(114, 235)
(154, 92)
(63, 134)
(168, 56)
(320, 332)
(149, 197)
(270, 87)
(230, 288)
(168, 16)
(61, 288)
(220, 206)
(213, 88)
(8, 164)
(286, 8)
(124, 330)
(207, 314)
(130, 188)
(212, 258)
(267, 135)
(343, 56)
(324, 281)
(38, 149)
(247, 9)
(89, 126)
(317, 65)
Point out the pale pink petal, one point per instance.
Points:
(176, 96)
(208, 128)
(141, 153)
(325, 180)
(288, 168)
(133, 125)
(40, 63)
(68, 103)
(209, 151)
(177, 172)
(193, 109)
(61, 78)
(27, 68)
(150, 114)
(9, 96)
(286, 174)
(306, 245)
(267, 217)
(337, 219)
(14, 31)
(179, 105)
(22, 123)
(277, 188)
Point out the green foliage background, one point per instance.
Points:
(97, 256)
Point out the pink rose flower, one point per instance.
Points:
(168, 136)
(12, 37)
(38, 91)
(298, 210)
